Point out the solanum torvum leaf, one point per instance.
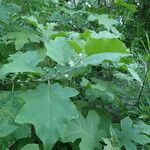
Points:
(87, 129)
(59, 50)
(131, 134)
(22, 62)
(103, 45)
(104, 20)
(21, 38)
(30, 147)
(97, 59)
(5, 127)
(49, 109)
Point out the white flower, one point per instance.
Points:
(89, 5)
(69, 3)
(86, 3)
(71, 63)
(66, 75)
(80, 54)
(18, 80)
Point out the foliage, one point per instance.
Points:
(74, 75)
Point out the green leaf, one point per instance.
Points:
(10, 104)
(99, 90)
(6, 128)
(30, 147)
(97, 59)
(22, 62)
(85, 82)
(103, 19)
(135, 75)
(23, 132)
(59, 50)
(87, 129)
(130, 7)
(130, 134)
(49, 109)
(102, 45)
(144, 128)
(99, 87)
(104, 34)
(76, 45)
(106, 119)
(6, 10)
(21, 38)
(109, 145)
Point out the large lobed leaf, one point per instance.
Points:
(21, 38)
(97, 59)
(59, 50)
(22, 62)
(87, 129)
(104, 20)
(132, 134)
(49, 109)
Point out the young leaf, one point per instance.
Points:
(87, 129)
(49, 109)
